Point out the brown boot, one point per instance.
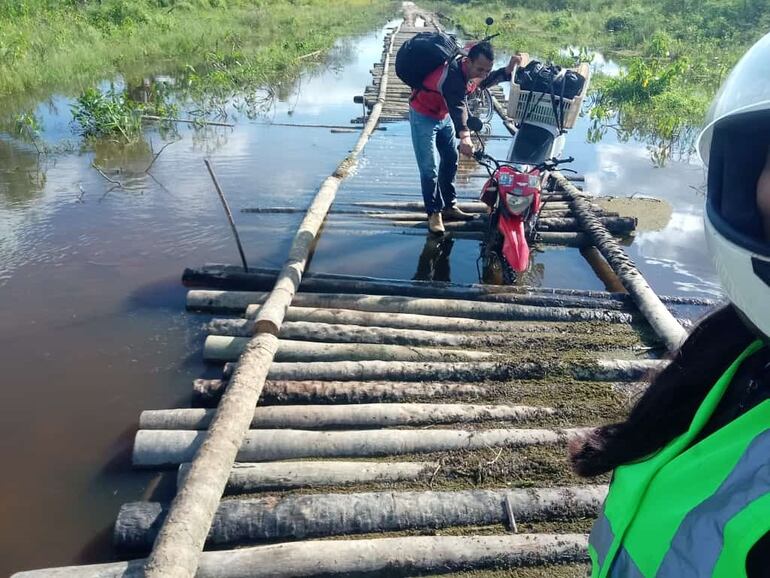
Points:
(435, 223)
(453, 213)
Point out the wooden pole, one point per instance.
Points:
(660, 318)
(228, 213)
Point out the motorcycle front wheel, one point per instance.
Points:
(494, 269)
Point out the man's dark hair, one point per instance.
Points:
(482, 49)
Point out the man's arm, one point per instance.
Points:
(504, 74)
(496, 77)
(454, 94)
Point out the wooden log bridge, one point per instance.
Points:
(355, 426)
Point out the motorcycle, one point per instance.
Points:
(542, 114)
(513, 195)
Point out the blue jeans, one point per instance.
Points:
(436, 152)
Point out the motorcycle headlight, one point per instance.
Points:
(517, 204)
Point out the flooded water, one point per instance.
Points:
(93, 310)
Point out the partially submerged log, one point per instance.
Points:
(387, 557)
(352, 415)
(257, 280)
(238, 301)
(168, 448)
(476, 207)
(244, 521)
(563, 239)
(247, 478)
(615, 225)
(207, 392)
(262, 279)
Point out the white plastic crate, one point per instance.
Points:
(540, 108)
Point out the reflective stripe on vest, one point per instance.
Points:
(703, 528)
(639, 513)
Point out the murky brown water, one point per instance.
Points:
(92, 310)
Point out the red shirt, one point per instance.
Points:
(431, 101)
(445, 90)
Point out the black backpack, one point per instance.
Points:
(422, 54)
(551, 79)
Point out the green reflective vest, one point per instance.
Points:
(690, 510)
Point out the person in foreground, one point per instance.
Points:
(690, 494)
(437, 113)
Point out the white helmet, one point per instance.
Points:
(735, 145)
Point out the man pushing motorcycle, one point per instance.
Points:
(441, 78)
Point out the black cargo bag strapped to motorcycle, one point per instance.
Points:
(422, 54)
(539, 77)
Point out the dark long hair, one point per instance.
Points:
(666, 409)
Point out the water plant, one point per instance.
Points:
(98, 114)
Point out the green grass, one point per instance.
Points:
(68, 45)
(676, 53)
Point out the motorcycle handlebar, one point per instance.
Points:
(553, 163)
(485, 159)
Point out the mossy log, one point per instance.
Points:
(248, 478)
(244, 521)
(336, 333)
(598, 370)
(168, 448)
(401, 321)
(238, 301)
(207, 392)
(348, 415)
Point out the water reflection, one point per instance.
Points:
(433, 263)
(22, 175)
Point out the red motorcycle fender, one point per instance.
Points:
(488, 194)
(515, 248)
